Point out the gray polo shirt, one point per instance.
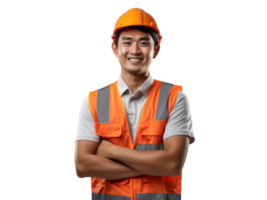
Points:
(179, 121)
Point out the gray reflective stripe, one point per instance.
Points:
(103, 104)
(162, 109)
(158, 196)
(97, 196)
(149, 147)
(145, 196)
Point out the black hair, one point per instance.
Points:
(144, 29)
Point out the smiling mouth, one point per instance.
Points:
(135, 59)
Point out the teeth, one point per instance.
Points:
(135, 59)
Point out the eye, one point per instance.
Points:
(144, 43)
(127, 43)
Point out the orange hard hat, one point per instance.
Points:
(136, 17)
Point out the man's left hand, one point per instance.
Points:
(105, 148)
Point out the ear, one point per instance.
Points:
(114, 49)
(156, 51)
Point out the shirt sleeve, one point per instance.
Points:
(86, 124)
(180, 120)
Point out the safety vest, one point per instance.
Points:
(111, 123)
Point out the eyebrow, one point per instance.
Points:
(129, 38)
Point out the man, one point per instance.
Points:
(133, 134)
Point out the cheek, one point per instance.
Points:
(122, 52)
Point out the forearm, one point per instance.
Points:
(157, 163)
(100, 167)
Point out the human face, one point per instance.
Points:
(135, 50)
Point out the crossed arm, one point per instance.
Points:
(159, 162)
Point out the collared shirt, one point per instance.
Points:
(179, 121)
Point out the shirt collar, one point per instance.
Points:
(145, 87)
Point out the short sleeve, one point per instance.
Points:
(86, 124)
(180, 120)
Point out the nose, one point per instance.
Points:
(135, 48)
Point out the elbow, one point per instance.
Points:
(178, 166)
(176, 170)
(80, 172)
(78, 167)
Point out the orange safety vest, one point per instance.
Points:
(111, 123)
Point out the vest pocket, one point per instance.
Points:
(111, 132)
(152, 131)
